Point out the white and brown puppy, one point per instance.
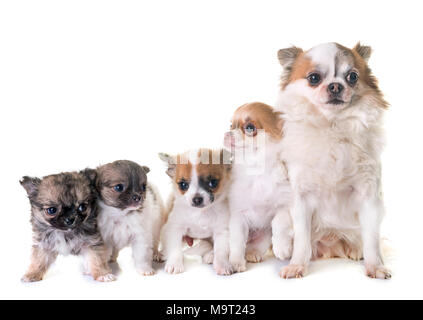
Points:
(332, 144)
(131, 212)
(64, 221)
(260, 193)
(199, 209)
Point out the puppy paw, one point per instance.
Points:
(223, 268)
(106, 278)
(208, 257)
(239, 266)
(292, 271)
(254, 257)
(355, 254)
(283, 250)
(378, 272)
(174, 268)
(32, 277)
(158, 257)
(146, 271)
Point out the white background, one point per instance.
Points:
(83, 83)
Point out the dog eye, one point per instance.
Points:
(51, 211)
(82, 207)
(183, 185)
(314, 79)
(144, 187)
(352, 78)
(213, 183)
(119, 187)
(250, 129)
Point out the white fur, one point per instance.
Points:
(260, 193)
(333, 159)
(210, 223)
(139, 229)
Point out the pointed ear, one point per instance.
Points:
(288, 56)
(91, 175)
(364, 51)
(170, 161)
(146, 169)
(31, 185)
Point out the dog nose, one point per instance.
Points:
(335, 88)
(136, 198)
(197, 201)
(69, 220)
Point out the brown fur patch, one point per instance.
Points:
(183, 170)
(262, 116)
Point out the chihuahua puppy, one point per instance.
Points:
(260, 193)
(131, 212)
(200, 208)
(64, 221)
(332, 143)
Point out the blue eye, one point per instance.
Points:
(352, 78)
(51, 211)
(213, 183)
(82, 207)
(250, 129)
(183, 185)
(119, 187)
(314, 79)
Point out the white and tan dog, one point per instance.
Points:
(131, 213)
(260, 193)
(332, 145)
(199, 208)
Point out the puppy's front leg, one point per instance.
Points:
(221, 253)
(370, 217)
(301, 255)
(282, 235)
(97, 257)
(41, 260)
(238, 229)
(142, 252)
(172, 248)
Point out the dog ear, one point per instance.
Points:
(90, 174)
(146, 169)
(227, 159)
(170, 162)
(288, 56)
(31, 185)
(364, 51)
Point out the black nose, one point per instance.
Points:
(197, 201)
(335, 88)
(69, 220)
(136, 198)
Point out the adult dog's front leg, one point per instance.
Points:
(371, 215)
(301, 255)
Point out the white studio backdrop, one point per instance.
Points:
(83, 83)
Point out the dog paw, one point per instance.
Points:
(378, 272)
(106, 278)
(158, 257)
(239, 266)
(355, 254)
(208, 257)
(254, 257)
(31, 277)
(222, 268)
(146, 271)
(292, 271)
(283, 251)
(174, 268)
